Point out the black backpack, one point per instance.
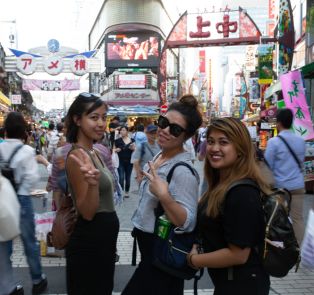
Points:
(6, 171)
(274, 260)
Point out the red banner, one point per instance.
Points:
(202, 61)
(271, 9)
(271, 28)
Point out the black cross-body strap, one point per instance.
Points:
(12, 155)
(292, 152)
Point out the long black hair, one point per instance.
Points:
(78, 108)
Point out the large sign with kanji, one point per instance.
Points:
(293, 91)
(79, 65)
(26, 64)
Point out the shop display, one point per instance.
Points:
(264, 136)
(309, 149)
(308, 171)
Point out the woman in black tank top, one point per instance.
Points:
(91, 250)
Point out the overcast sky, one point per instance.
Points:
(68, 21)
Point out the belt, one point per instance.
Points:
(126, 160)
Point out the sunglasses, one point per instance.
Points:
(175, 129)
(85, 94)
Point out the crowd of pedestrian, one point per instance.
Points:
(229, 220)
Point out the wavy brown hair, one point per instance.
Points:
(244, 167)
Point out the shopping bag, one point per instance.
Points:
(307, 247)
(10, 211)
(115, 160)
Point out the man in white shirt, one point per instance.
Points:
(53, 143)
(201, 133)
(25, 170)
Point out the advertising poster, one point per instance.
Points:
(254, 89)
(295, 99)
(264, 136)
(172, 86)
(263, 89)
(250, 57)
(132, 81)
(16, 99)
(265, 64)
(309, 152)
(51, 85)
(308, 171)
(132, 49)
(252, 131)
(242, 99)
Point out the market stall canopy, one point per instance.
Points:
(272, 89)
(4, 99)
(308, 71)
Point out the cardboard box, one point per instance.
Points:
(39, 200)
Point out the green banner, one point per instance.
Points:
(265, 64)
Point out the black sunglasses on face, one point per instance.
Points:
(175, 129)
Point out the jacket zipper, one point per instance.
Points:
(170, 241)
(268, 225)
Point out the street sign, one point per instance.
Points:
(163, 109)
(133, 70)
(16, 99)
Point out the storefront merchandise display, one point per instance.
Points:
(264, 136)
(308, 171)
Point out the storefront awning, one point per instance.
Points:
(272, 89)
(308, 71)
(4, 99)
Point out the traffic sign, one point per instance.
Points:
(164, 108)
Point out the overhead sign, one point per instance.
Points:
(131, 81)
(26, 64)
(53, 65)
(51, 85)
(250, 57)
(79, 65)
(133, 70)
(16, 99)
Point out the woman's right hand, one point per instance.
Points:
(90, 174)
(118, 150)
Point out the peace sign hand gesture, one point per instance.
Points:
(90, 174)
(157, 186)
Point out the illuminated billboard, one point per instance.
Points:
(132, 49)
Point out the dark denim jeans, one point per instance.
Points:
(31, 249)
(125, 168)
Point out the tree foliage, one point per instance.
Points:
(310, 20)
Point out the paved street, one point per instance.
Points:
(301, 282)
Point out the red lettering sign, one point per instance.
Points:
(26, 60)
(200, 25)
(54, 65)
(226, 26)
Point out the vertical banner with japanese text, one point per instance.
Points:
(295, 99)
(210, 90)
(265, 64)
(172, 87)
(250, 57)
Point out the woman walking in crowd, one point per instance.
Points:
(229, 240)
(25, 170)
(179, 199)
(125, 146)
(91, 250)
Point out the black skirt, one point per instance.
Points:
(90, 255)
(148, 279)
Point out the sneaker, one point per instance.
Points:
(41, 286)
(19, 290)
(126, 195)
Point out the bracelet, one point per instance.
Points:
(191, 260)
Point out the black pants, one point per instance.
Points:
(147, 279)
(90, 255)
(246, 281)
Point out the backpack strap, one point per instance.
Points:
(13, 153)
(159, 210)
(292, 152)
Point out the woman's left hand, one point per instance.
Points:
(157, 186)
(188, 257)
